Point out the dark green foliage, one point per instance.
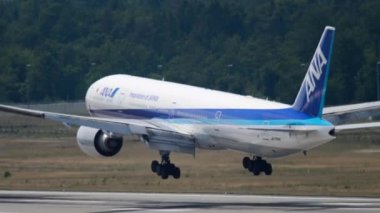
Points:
(53, 50)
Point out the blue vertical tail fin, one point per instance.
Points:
(311, 96)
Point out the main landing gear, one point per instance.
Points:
(165, 168)
(256, 165)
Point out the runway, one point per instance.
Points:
(39, 201)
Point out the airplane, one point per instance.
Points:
(171, 117)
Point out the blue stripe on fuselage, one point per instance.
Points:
(291, 122)
(287, 116)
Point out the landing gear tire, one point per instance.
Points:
(164, 174)
(246, 162)
(256, 165)
(268, 169)
(256, 169)
(154, 165)
(176, 173)
(250, 166)
(159, 170)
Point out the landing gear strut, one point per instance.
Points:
(165, 168)
(256, 165)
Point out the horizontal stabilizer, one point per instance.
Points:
(357, 127)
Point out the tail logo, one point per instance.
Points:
(311, 96)
(315, 72)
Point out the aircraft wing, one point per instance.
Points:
(159, 136)
(352, 113)
(121, 126)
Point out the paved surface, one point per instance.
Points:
(32, 201)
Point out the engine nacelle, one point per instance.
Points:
(95, 142)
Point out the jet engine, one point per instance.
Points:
(96, 142)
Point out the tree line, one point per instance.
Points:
(53, 50)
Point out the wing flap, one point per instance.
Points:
(171, 141)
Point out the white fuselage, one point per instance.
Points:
(218, 120)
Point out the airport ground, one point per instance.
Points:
(108, 202)
(41, 155)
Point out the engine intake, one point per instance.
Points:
(95, 142)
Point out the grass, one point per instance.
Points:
(42, 158)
